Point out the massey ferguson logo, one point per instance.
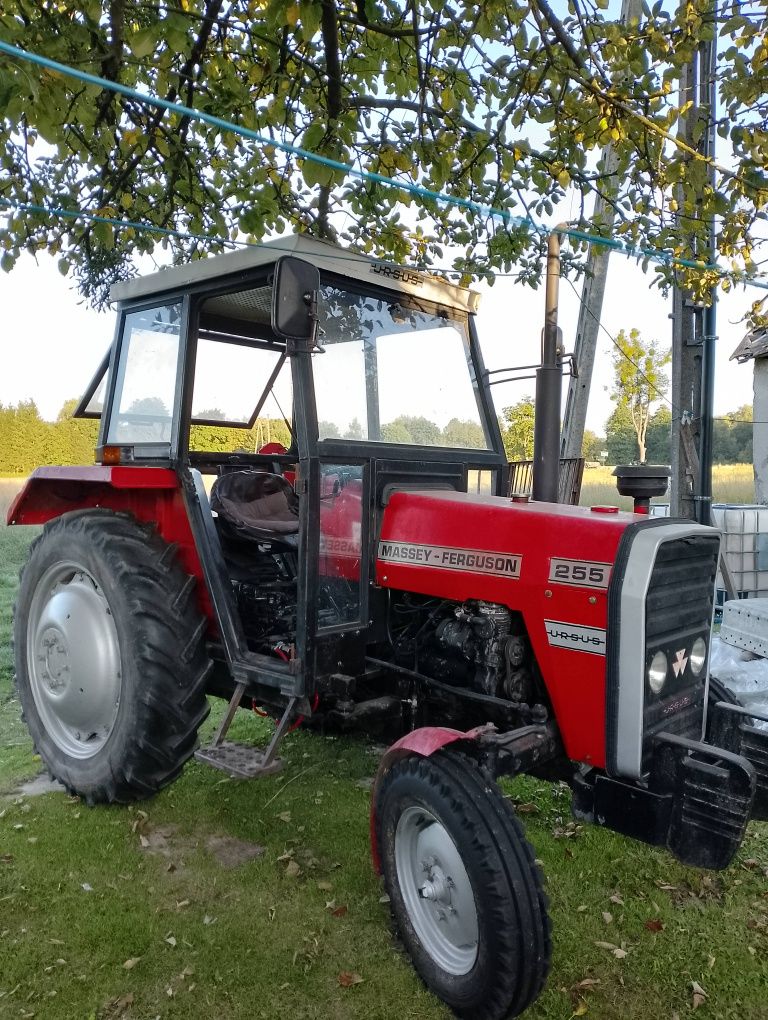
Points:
(681, 661)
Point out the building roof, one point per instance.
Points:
(323, 254)
(754, 345)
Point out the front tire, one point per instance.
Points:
(464, 888)
(110, 659)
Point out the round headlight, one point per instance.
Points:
(657, 672)
(698, 655)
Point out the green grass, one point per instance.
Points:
(81, 895)
(16, 760)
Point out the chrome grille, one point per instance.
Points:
(678, 609)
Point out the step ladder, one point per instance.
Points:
(242, 761)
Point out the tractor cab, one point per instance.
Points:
(293, 389)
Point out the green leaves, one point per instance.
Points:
(142, 43)
(441, 96)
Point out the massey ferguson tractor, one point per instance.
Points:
(373, 573)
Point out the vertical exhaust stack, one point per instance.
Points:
(549, 381)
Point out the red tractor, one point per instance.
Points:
(353, 579)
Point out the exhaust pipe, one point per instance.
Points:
(549, 382)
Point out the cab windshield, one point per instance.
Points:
(394, 372)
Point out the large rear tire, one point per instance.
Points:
(464, 888)
(110, 658)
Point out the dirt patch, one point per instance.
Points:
(231, 852)
(37, 787)
(166, 841)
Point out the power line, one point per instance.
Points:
(81, 214)
(676, 416)
(491, 212)
(621, 350)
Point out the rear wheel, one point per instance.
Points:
(464, 888)
(110, 660)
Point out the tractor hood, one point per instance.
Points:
(459, 545)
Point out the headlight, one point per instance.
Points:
(657, 672)
(698, 655)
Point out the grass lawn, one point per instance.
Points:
(222, 899)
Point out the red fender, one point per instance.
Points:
(423, 742)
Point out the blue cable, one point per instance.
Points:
(665, 258)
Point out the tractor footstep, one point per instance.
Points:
(240, 761)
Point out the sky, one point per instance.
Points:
(51, 341)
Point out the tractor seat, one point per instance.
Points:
(257, 506)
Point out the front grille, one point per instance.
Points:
(678, 609)
(682, 588)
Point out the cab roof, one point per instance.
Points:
(326, 256)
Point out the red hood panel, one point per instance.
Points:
(550, 562)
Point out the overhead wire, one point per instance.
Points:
(417, 190)
(676, 415)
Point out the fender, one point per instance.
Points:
(422, 742)
(150, 494)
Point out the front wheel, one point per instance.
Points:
(110, 658)
(465, 891)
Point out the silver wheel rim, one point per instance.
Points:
(436, 890)
(73, 660)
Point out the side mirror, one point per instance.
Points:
(294, 299)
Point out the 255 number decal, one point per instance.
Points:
(581, 573)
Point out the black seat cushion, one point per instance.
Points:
(258, 505)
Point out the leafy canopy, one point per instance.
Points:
(503, 102)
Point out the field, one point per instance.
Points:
(731, 483)
(222, 900)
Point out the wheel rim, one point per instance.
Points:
(73, 660)
(436, 890)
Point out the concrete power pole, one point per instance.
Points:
(592, 294)
(692, 326)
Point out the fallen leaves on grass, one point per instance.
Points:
(117, 1008)
(568, 831)
(617, 951)
(347, 979)
(699, 995)
(130, 964)
(527, 808)
(607, 917)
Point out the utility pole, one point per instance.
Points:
(592, 293)
(693, 327)
(549, 377)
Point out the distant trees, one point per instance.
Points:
(517, 429)
(640, 381)
(592, 446)
(27, 442)
(731, 442)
